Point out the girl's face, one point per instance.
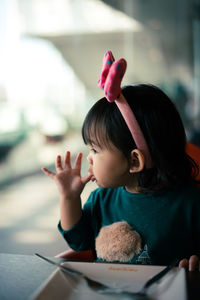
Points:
(110, 168)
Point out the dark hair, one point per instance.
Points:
(161, 125)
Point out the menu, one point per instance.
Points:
(121, 277)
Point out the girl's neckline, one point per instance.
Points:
(150, 194)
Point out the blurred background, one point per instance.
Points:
(50, 57)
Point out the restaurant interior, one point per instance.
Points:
(50, 58)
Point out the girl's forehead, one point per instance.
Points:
(103, 144)
(95, 133)
(97, 136)
(94, 141)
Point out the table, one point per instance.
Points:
(21, 275)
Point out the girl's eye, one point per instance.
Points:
(94, 151)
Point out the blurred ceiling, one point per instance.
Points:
(156, 37)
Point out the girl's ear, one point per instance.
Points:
(137, 161)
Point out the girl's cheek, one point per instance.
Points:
(90, 159)
(95, 167)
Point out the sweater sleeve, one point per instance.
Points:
(81, 236)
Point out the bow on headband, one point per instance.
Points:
(110, 81)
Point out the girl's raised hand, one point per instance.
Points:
(68, 179)
(192, 264)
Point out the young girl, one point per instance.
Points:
(147, 207)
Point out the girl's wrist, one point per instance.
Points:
(70, 199)
(70, 212)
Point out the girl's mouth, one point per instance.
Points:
(93, 178)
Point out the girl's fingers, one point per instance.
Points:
(78, 161)
(193, 263)
(86, 178)
(59, 164)
(183, 263)
(67, 160)
(48, 173)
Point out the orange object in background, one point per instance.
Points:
(194, 152)
(87, 255)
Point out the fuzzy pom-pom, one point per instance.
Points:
(118, 242)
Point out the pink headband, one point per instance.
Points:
(110, 81)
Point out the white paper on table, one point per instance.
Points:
(125, 276)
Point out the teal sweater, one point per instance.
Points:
(168, 221)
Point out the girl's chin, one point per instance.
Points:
(101, 185)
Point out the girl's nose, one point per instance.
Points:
(89, 159)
